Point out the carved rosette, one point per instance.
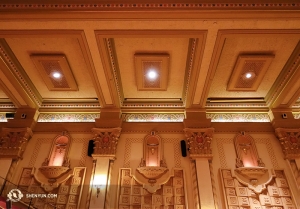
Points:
(105, 141)
(199, 142)
(290, 142)
(13, 142)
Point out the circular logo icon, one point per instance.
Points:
(15, 195)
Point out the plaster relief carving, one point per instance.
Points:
(290, 143)
(237, 195)
(152, 184)
(199, 142)
(250, 169)
(56, 168)
(68, 192)
(13, 142)
(153, 170)
(105, 141)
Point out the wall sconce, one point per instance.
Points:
(99, 183)
(98, 191)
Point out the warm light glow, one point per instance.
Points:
(56, 75)
(248, 75)
(152, 74)
(100, 180)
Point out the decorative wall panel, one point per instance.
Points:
(68, 193)
(277, 195)
(172, 194)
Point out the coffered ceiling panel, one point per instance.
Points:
(24, 47)
(279, 46)
(176, 48)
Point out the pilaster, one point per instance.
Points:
(199, 146)
(105, 145)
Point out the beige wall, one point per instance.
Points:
(39, 147)
(269, 151)
(130, 152)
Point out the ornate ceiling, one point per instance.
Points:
(206, 44)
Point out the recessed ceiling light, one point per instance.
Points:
(249, 75)
(56, 75)
(152, 74)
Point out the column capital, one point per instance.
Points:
(105, 141)
(199, 142)
(13, 142)
(290, 142)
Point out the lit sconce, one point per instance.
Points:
(99, 183)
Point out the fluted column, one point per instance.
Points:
(105, 145)
(199, 146)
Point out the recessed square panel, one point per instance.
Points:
(56, 72)
(248, 72)
(151, 71)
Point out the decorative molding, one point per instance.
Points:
(3, 117)
(195, 184)
(144, 117)
(13, 142)
(136, 6)
(176, 145)
(199, 141)
(276, 193)
(177, 150)
(128, 142)
(284, 78)
(115, 70)
(270, 150)
(83, 155)
(222, 156)
(19, 72)
(137, 105)
(247, 155)
(235, 117)
(70, 106)
(37, 149)
(290, 142)
(233, 105)
(295, 168)
(68, 117)
(296, 115)
(105, 141)
(171, 193)
(68, 192)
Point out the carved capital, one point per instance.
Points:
(13, 142)
(199, 142)
(290, 142)
(105, 141)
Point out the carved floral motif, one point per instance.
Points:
(290, 142)
(199, 142)
(13, 142)
(105, 141)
